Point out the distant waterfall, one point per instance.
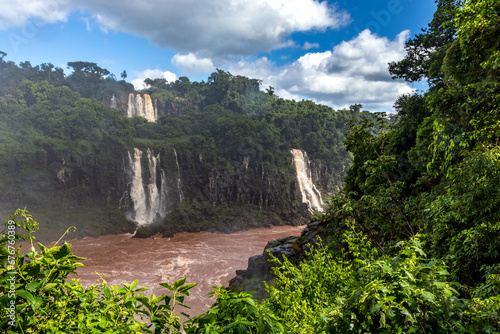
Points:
(310, 194)
(181, 195)
(149, 201)
(113, 102)
(139, 106)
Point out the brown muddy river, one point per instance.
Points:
(209, 259)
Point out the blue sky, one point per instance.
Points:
(333, 52)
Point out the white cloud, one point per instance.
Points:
(308, 46)
(152, 74)
(16, 13)
(215, 27)
(192, 64)
(354, 71)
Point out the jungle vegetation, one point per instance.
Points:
(413, 240)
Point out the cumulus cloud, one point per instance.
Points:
(221, 28)
(354, 71)
(192, 64)
(152, 74)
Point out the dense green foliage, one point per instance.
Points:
(364, 291)
(428, 184)
(414, 238)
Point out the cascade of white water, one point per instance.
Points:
(156, 109)
(139, 106)
(149, 111)
(137, 193)
(310, 194)
(113, 101)
(181, 195)
(131, 105)
(154, 195)
(148, 200)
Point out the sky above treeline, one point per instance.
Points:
(332, 52)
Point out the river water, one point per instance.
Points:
(209, 259)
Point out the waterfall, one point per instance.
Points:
(154, 195)
(164, 200)
(113, 101)
(149, 201)
(137, 193)
(149, 112)
(139, 106)
(130, 105)
(310, 194)
(181, 195)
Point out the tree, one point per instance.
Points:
(426, 51)
(86, 77)
(355, 108)
(270, 91)
(124, 75)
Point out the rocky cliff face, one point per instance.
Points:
(182, 189)
(136, 104)
(247, 193)
(67, 188)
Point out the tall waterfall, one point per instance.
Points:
(181, 195)
(139, 106)
(149, 201)
(310, 194)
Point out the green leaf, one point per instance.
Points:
(107, 293)
(376, 307)
(134, 284)
(32, 286)
(428, 296)
(407, 313)
(26, 295)
(43, 249)
(242, 329)
(36, 303)
(186, 287)
(65, 250)
(4, 251)
(382, 320)
(167, 286)
(179, 282)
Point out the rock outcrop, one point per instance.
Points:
(259, 268)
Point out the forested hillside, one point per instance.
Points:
(414, 236)
(410, 245)
(68, 145)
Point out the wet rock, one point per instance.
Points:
(143, 232)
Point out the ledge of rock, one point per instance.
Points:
(292, 248)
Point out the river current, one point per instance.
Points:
(209, 259)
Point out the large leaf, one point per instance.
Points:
(65, 250)
(26, 295)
